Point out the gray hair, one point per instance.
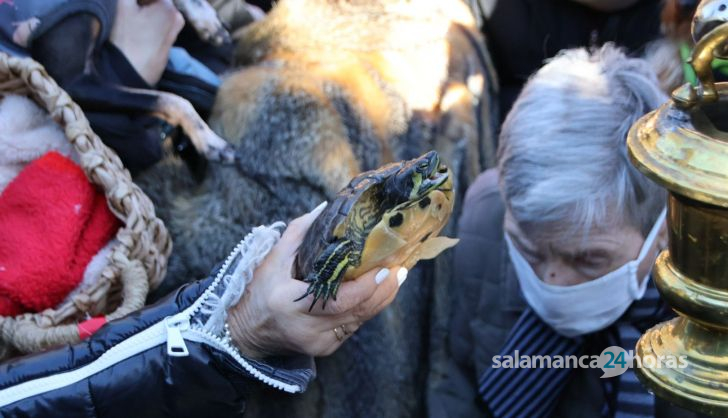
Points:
(563, 155)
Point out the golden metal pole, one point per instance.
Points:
(684, 147)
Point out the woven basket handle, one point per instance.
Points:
(27, 336)
(143, 237)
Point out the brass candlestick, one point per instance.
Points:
(684, 147)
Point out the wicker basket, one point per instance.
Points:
(135, 265)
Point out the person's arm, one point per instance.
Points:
(179, 358)
(607, 5)
(145, 35)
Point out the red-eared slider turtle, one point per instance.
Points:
(384, 217)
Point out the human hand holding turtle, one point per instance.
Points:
(384, 221)
(266, 322)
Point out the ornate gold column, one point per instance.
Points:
(684, 147)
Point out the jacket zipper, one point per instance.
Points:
(178, 330)
(176, 346)
(145, 340)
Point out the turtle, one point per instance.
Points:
(384, 217)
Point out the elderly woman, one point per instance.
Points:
(556, 249)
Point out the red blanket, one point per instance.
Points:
(52, 222)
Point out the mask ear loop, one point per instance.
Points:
(652, 235)
(638, 289)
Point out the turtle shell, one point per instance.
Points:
(363, 193)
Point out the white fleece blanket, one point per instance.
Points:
(26, 133)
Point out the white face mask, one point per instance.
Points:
(585, 307)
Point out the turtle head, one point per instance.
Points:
(418, 177)
(409, 231)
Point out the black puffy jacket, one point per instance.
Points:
(157, 362)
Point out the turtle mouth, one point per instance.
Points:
(435, 180)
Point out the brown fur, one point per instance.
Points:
(402, 65)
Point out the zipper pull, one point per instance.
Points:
(176, 346)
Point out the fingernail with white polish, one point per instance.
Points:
(320, 207)
(383, 274)
(402, 275)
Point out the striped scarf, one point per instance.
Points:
(534, 392)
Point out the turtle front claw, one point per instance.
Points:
(328, 272)
(320, 289)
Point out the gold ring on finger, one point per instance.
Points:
(340, 333)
